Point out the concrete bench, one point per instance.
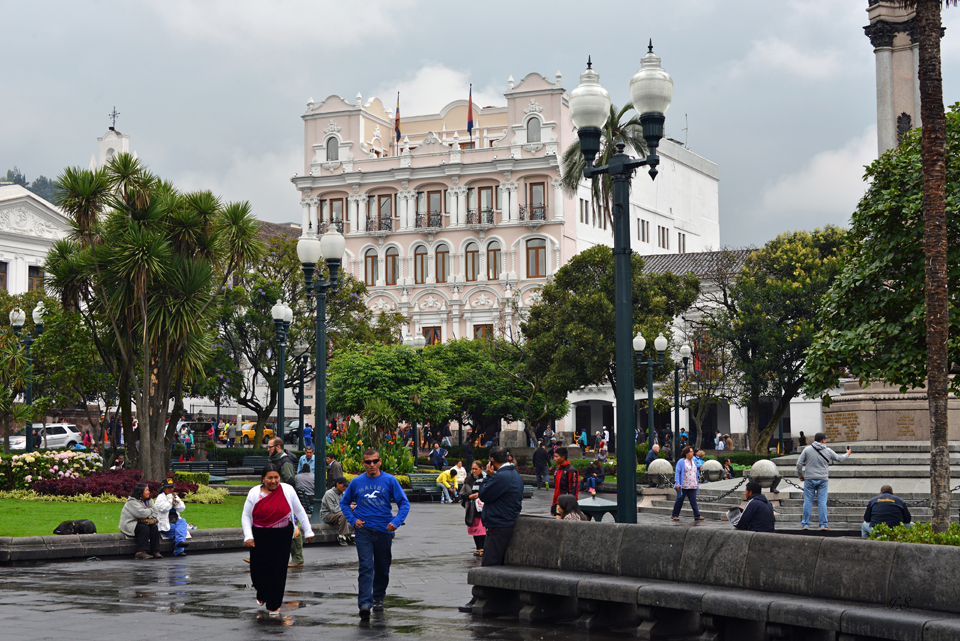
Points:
(218, 468)
(672, 582)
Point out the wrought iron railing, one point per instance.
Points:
(433, 219)
(379, 224)
(533, 212)
(325, 226)
(483, 217)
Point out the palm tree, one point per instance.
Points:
(630, 132)
(146, 265)
(934, 167)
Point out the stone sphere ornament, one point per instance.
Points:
(766, 474)
(660, 471)
(712, 471)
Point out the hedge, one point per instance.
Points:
(116, 482)
(917, 533)
(198, 478)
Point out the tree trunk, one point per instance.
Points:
(132, 458)
(933, 158)
(753, 422)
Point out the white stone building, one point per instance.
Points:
(29, 225)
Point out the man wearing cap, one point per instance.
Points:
(169, 522)
(813, 468)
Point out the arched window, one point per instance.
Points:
(533, 130)
(443, 263)
(473, 261)
(420, 265)
(370, 267)
(536, 258)
(392, 264)
(333, 149)
(494, 264)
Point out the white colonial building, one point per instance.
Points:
(29, 225)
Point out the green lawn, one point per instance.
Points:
(39, 518)
(247, 483)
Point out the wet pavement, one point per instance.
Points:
(208, 595)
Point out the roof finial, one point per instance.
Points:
(113, 116)
(650, 47)
(589, 64)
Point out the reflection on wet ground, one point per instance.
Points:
(208, 596)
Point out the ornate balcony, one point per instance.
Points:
(379, 224)
(532, 212)
(325, 226)
(432, 220)
(483, 217)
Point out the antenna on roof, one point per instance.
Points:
(686, 131)
(113, 116)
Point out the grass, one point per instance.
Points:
(38, 518)
(247, 483)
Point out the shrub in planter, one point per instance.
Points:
(25, 469)
(916, 533)
(197, 478)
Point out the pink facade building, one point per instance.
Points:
(459, 232)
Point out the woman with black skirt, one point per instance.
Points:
(269, 522)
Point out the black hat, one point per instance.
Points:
(167, 482)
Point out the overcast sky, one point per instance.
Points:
(781, 95)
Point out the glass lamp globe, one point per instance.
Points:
(287, 314)
(651, 88)
(309, 250)
(639, 342)
(589, 101)
(17, 317)
(332, 244)
(685, 351)
(419, 342)
(278, 311)
(660, 342)
(38, 313)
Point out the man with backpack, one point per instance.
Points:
(288, 474)
(813, 468)
(566, 480)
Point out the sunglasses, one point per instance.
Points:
(372, 461)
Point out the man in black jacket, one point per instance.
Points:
(541, 464)
(885, 508)
(758, 515)
(502, 497)
(651, 457)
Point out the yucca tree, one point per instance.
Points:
(144, 264)
(933, 150)
(618, 128)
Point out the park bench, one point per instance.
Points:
(218, 468)
(717, 583)
(255, 463)
(425, 485)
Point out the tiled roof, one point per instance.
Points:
(272, 230)
(700, 263)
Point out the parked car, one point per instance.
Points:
(249, 430)
(55, 435)
(291, 430)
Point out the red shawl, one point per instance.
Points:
(272, 510)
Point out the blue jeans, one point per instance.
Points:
(374, 554)
(446, 492)
(811, 487)
(691, 495)
(177, 532)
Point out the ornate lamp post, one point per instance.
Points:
(282, 317)
(300, 355)
(660, 344)
(417, 343)
(311, 252)
(651, 90)
(17, 319)
(685, 355)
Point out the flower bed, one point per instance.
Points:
(114, 482)
(20, 471)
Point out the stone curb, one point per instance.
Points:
(71, 546)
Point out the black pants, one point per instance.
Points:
(543, 475)
(268, 563)
(478, 541)
(495, 545)
(148, 537)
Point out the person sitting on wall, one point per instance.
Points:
(758, 515)
(169, 522)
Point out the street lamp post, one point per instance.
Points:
(300, 354)
(660, 344)
(651, 90)
(685, 355)
(282, 317)
(17, 319)
(311, 252)
(417, 343)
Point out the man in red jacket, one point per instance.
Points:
(566, 480)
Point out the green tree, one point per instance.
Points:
(618, 128)
(766, 318)
(393, 373)
(933, 156)
(569, 333)
(16, 177)
(148, 264)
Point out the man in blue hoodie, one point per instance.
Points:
(366, 506)
(502, 498)
(758, 515)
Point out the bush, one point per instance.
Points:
(456, 454)
(207, 495)
(21, 470)
(118, 483)
(917, 533)
(745, 458)
(197, 478)
(30, 495)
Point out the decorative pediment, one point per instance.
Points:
(533, 107)
(19, 219)
(332, 128)
(430, 145)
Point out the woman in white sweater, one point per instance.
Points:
(269, 516)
